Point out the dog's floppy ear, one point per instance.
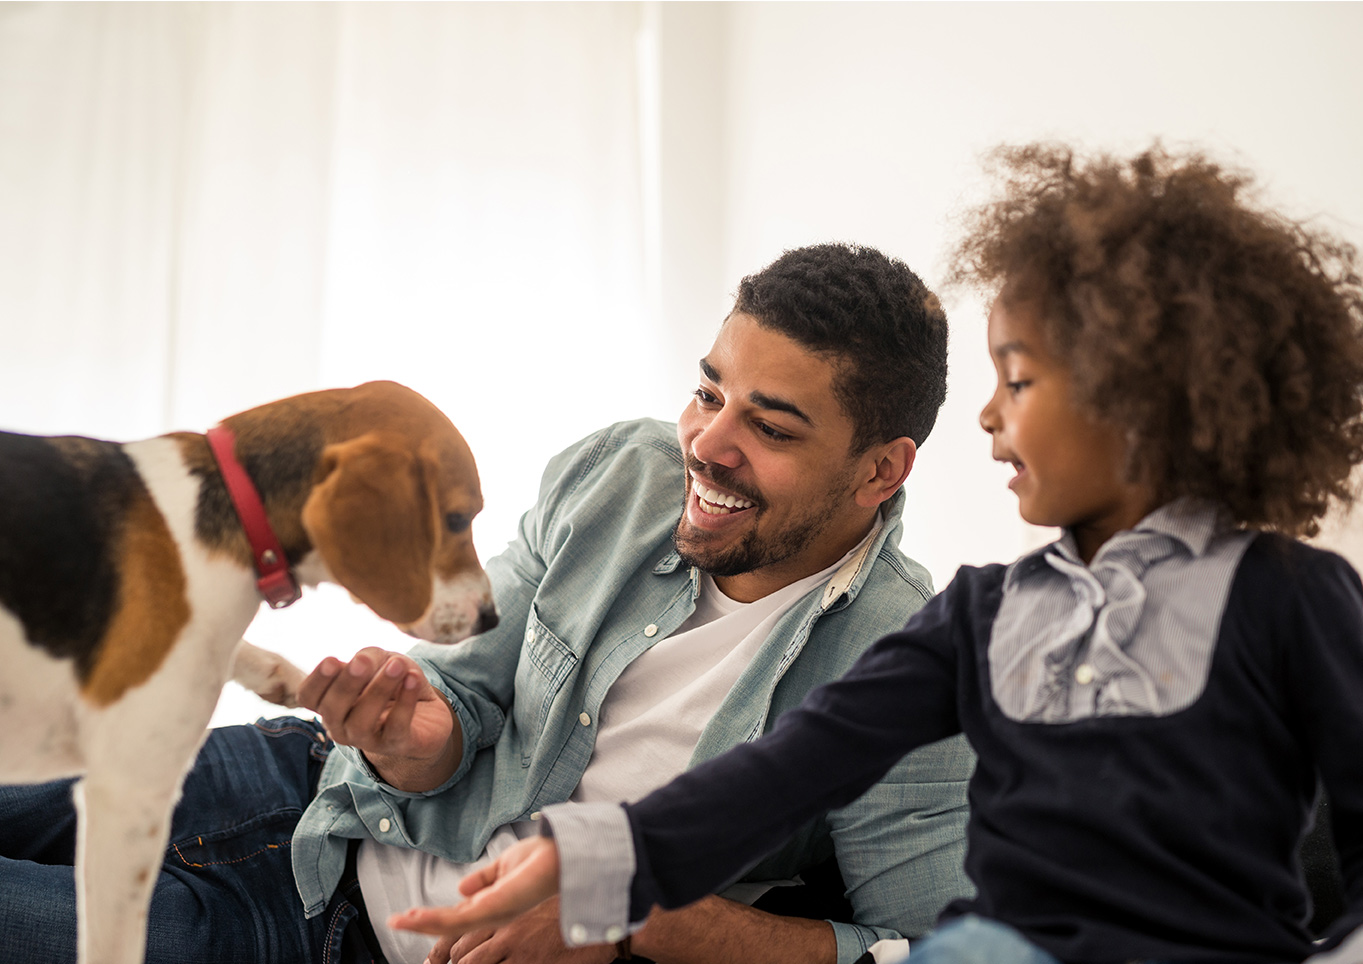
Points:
(370, 517)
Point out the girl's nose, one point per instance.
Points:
(989, 417)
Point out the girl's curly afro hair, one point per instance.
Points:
(1222, 338)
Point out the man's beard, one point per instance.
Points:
(754, 551)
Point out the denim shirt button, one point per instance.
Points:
(651, 630)
(585, 719)
(385, 825)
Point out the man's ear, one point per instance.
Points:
(885, 467)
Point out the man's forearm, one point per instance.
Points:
(717, 931)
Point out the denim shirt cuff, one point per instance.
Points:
(465, 763)
(596, 867)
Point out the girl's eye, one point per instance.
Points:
(457, 522)
(1015, 387)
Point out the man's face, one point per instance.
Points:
(770, 477)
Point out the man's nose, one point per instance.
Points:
(717, 442)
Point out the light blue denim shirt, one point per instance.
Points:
(591, 582)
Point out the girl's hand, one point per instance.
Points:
(516, 881)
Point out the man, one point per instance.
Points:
(632, 643)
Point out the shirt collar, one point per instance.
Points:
(1193, 522)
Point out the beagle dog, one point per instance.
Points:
(127, 580)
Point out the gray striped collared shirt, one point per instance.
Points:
(1132, 633)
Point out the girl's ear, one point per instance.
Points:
(371, 518)
(886, 468)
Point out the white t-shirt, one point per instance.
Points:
(648, 728)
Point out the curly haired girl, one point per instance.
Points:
(1153, 696)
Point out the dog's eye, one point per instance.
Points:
(457, 521)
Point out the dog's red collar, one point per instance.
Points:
(273, 578)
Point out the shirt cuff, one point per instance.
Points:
(596, 867)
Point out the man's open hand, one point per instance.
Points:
(383, 705)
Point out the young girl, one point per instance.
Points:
(1153, 696)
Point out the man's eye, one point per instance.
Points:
(457, 522)
(705, 397)
(772, 433)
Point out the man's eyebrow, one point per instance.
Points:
(773, 404)
(760, 399)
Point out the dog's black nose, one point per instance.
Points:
(487, 619)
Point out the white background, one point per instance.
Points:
(536, 215)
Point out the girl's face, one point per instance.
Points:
(1069, 466)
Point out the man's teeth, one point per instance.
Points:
(718, 503)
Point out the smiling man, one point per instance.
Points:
(672, 592)
(640, 637)
(760, 516)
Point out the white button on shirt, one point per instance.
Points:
(1083, 674)
(651, 630)
(578, 933)
(385, 825)
(615, 934)
(584, 719)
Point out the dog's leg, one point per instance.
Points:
(268, 675)
(121, 836)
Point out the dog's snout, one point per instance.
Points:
(487, 619)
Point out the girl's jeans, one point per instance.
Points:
(978, 940)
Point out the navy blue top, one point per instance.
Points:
(1103, 839)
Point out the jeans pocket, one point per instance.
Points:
(281, 727)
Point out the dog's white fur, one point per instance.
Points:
(134, 752)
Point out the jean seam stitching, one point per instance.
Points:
(219, 863)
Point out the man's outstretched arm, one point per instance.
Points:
(710, 931)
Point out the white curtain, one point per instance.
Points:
(205, 207)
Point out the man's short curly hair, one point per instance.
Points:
(885, 332)
(1224, 339)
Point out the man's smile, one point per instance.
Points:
(716, 502)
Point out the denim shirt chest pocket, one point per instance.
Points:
(546, 663)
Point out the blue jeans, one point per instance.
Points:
(225, 893)
(978, 940)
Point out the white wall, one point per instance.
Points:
(865, 122)
(205, 206)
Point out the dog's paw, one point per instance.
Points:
(268, 675)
